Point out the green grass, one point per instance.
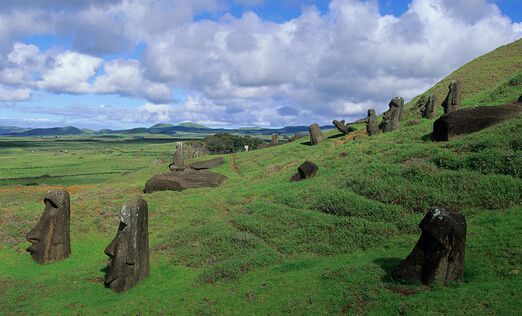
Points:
(260, 244)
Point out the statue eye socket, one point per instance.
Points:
(122, 226)
(50, 203)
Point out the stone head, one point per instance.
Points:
(50, 238)
(129, 250)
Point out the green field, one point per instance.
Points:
(260, 244)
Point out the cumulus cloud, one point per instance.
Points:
(249, 70)
(11, 95)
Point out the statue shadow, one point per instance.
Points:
(336, 136)
(388, 265)
(427, 137)
(306, 143)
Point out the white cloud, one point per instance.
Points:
(70, 73)
(10, 95)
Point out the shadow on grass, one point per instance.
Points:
(336, 136)
(306, 143)
(388, 265)
(427, 137)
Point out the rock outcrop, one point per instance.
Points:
(207, 164)
(372, 128)
(471, 120)
(439, 253)
(50, 238)
(454, 97)
(390, 119)
(305, 171)
(316, 136)
(182, 180)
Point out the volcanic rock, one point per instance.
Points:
(306, 170)
(207, 164)
(182, 180)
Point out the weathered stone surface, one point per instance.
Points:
(295, 137)
(342, 127)
(454, 97)
(182, 180)
(471, 120)
(316, 136)
(372, 127)
(439, 253)
(129, 250)
(207, 164)
(50, 238)
(428, 108)
(390, 119)
(306, 170)
(275, 139)
(188, 150)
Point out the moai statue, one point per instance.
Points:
(129, 250)
(50, 238)
(439, 253)
(342, 127)
(177, 156)
(390, 119)
(275, 139)
(316, 136)
(245, 148)
(428, 109)
(372, 128)
(452, 101)
(305, 171)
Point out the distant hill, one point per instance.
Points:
(53, 131)
(191, 125)
(11, 129)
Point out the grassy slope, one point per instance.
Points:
(260, 244)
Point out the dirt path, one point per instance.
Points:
(233, 165)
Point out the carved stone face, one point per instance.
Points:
(129, 250)
(50, 238)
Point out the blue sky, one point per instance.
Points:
(126, 63)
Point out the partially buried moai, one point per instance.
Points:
(316, 136)
(50, 238)
(390, 118)
(275, 139)
(439, 253)
(428, 108)
(129, 250)
(453, 99)
(372, 127)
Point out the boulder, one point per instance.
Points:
(372, 127)
(316, 136)
(471, 120)
(306, 170)
(182, 180)
(439, 253)
(390, 118)
(428, 108)
(207, 164)
(342, 127)
(50, 238)
(454, 97)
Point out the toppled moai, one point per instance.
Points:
(428, 107)
(454, 97)
(316, 136)
(275, 139)
(129, 250)
(438, 256)
(390, 119)
(305, 171)
(342, 127)
(372, 128)
(50, 238)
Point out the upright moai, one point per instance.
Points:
(428, 108)
(50, 238)
(177, 156)
(316, 136)
(275, 139)
(372, 128)
(129, 250)
(390, 119)
(439, 253)
(454, 97)
(245, 148)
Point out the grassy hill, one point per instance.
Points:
(262, 245)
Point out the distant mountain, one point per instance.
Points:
(164, 129)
